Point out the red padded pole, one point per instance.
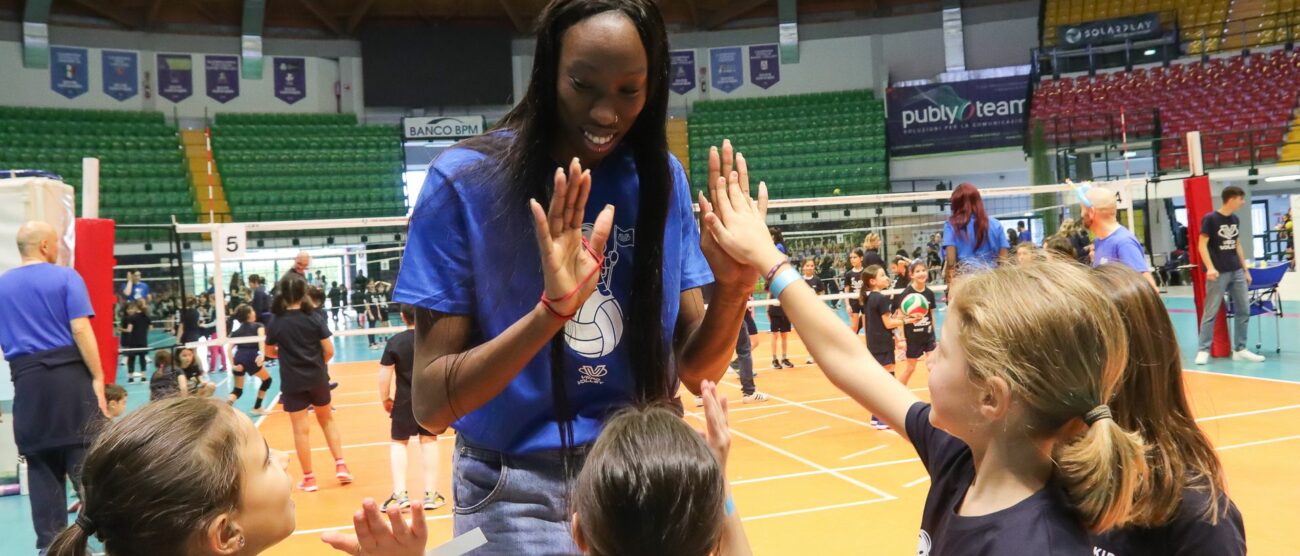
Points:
(95, 262)
(1196, 193)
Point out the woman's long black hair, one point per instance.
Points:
(522, 162)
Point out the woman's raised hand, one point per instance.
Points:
(728, 169)
(736, 223)
(570, 269)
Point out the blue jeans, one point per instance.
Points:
(745, 359)
(1234, 283)
(519, 501)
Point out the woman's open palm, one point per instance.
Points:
(727, 170)
(570, 269)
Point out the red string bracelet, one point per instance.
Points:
(547, 301)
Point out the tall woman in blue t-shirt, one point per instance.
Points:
(527, 384)
(971, 237)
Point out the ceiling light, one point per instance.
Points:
(1288, 177)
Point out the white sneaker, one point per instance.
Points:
(756, 397)
(809, 361)
(699, 401)
(1246, 355)
(1202, 357)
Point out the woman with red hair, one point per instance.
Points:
(970, 236)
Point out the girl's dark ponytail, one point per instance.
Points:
(73, 541)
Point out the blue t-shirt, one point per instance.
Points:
(140, 291)
(465, 257)
(1026, 237)
(37, 305)
(1120, 247)
(967, 254)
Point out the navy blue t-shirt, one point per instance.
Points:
(1042, 524)
(37, 305)
(1222, 233)
(465, 257)
(1188, 533)
(879, 338)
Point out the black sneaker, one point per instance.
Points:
(735, 364)
(776, 364)
(787, 363)
(334, 384)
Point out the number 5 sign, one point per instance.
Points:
(231, 241)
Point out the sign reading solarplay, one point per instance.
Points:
(1108, 31)
(957, 116)
(442, 127)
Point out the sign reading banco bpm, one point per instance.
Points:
(442, 127)
(957, 116)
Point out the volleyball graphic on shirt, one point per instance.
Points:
(598, 327)
(915, 305)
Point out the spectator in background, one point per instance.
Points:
(337, 296)
(970, 236)
(134, 330)
(1013, 239)
(1226, 270)
(1026, 236)
(115, 400)
(871, 251)
(1077, 235)
(261, 301)
(301, 266)
(136, 288)
(54, 363)
(1115, 243)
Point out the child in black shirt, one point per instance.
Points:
(810, 278)
(135, 338)
(918, 323)
(880, 324)
(167, 379)
(248, 358)
(395, 375)
(854, 284)
(1182, 507)
(1023, 385)
(302, 343)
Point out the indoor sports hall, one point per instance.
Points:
(313, 213)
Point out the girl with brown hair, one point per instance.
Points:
(1023, 454)
(1182, 507)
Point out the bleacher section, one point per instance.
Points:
(142, 178)
(814, 145)
(307, 166)
(1193, 15)
(1242, 107)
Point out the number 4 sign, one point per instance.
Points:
(231, 241)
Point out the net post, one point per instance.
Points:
(219, 300)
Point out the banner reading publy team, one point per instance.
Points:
(957, 116)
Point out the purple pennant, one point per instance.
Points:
(290, 79)
(175, 76)
(222, 75)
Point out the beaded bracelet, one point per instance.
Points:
(772, 271)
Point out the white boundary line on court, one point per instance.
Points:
(1259, 442)
(1245, 413)
(816, 509)
(1248, 377)
(814, 409)
(764, 416)
(864, 452)
(911, 484)
(813, 464)
(829, 470)
(810, 431)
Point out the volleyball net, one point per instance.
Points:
(350, 257)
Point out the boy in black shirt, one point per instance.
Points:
(1226, 270)
(395, 367)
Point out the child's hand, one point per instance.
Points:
(375, 538)
(716, 432)
(738, 224)
(388, 406)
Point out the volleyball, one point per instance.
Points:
(915, 304)
(597, 328)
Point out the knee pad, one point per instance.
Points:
(266, 384)
(237, 392)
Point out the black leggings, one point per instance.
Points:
(136, 353)
(371, 323)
